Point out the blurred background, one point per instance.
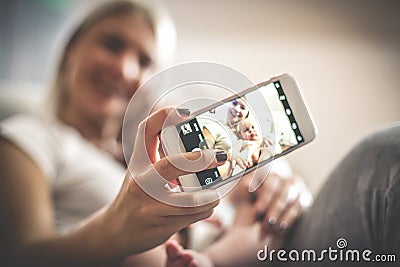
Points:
(345, 56)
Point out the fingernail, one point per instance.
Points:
(282, 226)
(271, 222)
(260, 216)
(184, 112)
(221, 156)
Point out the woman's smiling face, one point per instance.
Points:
(106, 65)
(237, 110)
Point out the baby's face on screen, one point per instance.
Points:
(247, 130)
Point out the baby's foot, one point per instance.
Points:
(177, 256)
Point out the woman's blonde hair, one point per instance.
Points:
(104, 10)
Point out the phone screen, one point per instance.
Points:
(248, 139)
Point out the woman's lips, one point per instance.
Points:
(235, 113)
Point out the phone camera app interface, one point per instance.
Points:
(195, 136)
(247, 139)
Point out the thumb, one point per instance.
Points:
(147, 141)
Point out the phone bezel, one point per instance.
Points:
(172, 144)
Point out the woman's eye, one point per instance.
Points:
(234, 102)
(114, 45)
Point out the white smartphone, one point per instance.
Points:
(253, 127)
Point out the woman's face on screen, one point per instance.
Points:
(106, 65)
(237, 110)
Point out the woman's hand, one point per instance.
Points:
(277, 202)
(137, 221)
(246, 232)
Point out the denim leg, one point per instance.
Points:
(360, 202)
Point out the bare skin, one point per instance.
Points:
(250, 229)
(104, 67)
(104, 238)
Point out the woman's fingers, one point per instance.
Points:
(173, 166)
(154, 179)
(266, 192)
(289, 215)
(194, 203)
(300, 201)
(147, 141)
(278, 204)
(175, 223)
(181, 221)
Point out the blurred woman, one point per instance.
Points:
(66, 197)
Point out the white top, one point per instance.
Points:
(83, 178)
